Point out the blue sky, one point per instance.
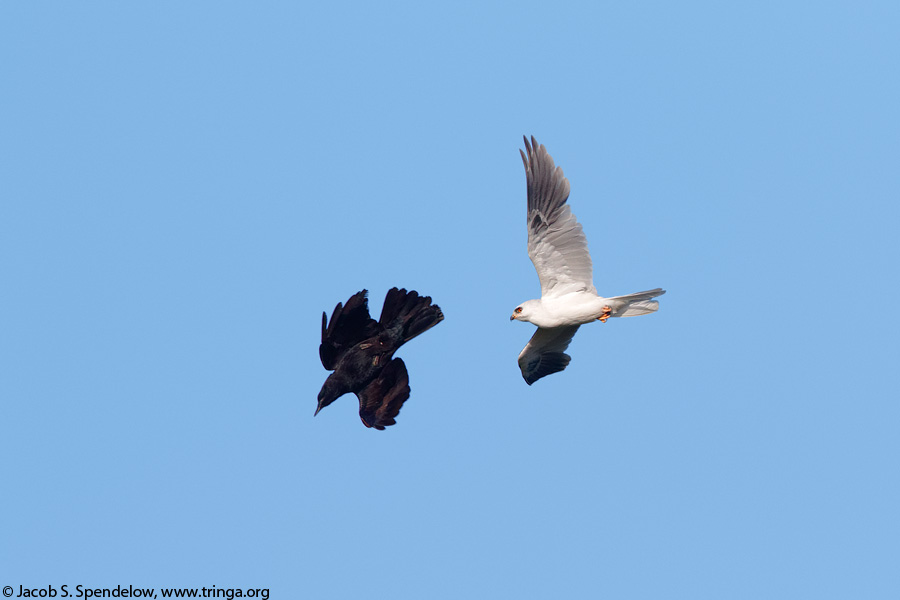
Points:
(187, 186)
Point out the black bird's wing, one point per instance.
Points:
(380, 401)
(349, 325)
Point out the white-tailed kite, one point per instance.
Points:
(558, 249)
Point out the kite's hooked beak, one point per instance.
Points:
(512, 318)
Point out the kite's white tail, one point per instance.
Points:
(632, 305)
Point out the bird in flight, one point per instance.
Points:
(359, 350)
(558, 248)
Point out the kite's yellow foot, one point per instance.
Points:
(604, 315)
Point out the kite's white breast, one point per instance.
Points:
(576, 308)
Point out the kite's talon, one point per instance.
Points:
(604, 314)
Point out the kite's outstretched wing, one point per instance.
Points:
(380, 401)
(556, 244)
(544, 354)
(349, 325)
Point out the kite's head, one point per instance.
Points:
(523, 312)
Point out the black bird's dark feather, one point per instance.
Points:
(380, 401)
(360, 351)
(349, 325)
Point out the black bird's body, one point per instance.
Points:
(360, 350)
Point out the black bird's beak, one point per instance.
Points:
(318, 408)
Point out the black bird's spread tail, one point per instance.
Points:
(409, 314)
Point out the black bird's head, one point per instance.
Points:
(329, 393)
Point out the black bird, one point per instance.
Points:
(359, 350)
